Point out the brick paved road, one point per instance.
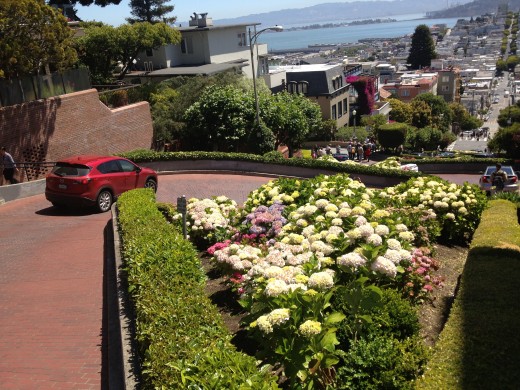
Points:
(52, 332)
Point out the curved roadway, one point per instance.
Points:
(53, 313)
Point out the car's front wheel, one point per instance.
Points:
(104, 201)
(151, 183)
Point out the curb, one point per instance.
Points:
(126, 353)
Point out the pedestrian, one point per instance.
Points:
(9, 166)
(328, 150)
(360, 152)
(368, 152)
(338, 149)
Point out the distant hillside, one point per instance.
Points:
(476, 8)
(328, 12)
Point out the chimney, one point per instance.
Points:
(200, 20)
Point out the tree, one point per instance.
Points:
(34, 37)
(139, 37)
(422, 50)
(151, 11)
(221, 118)
(512, 61)
(98, 49)
(101, 3)
(421, 114)
(401, 112)
(441, 114)
(507, 139)
(392, 135)
(103, 47)
(291, 117)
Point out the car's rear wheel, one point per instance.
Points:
(104, 201)
(151, 183)
(58, 205)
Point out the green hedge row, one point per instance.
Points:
(479, 347)
(139, 156)
(182, 341)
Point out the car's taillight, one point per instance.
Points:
(81, 181)
(485, 179)
(513, 179)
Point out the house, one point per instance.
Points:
(411, 85)
(205, 49)
(448, 85)
(324, 84)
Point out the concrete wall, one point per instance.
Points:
(76, 123)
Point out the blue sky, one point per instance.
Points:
(116, 14)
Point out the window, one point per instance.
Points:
(334, 116)
(345, 105)
(445, 88)
(110, 167)
(405, 92)
(340, 110)
(149, 52)
(445, 79)
(127, 166)
(186, 46)
(242, 39)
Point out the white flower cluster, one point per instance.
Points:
(274, 318)
(209, 214)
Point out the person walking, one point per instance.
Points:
(9, 166)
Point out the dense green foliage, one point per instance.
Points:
(480, 344)
(33, 36)
(151, 11)
(422, 50)
(392, 135)
(182, 341)
(103, 47)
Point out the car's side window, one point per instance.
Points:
(127, 166)
(109, 167)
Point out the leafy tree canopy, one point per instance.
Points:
(401, 111)
(33, 36)
(101, 3)
(440, 111)
(422, 50)
(151, 11)
(103, 47)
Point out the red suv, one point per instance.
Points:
(95, 180)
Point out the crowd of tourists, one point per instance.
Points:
(351, 150)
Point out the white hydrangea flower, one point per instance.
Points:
(401, 228)
(344, 212)
(264, 324)
(275, 288)
(322, 203)
(366, 230)
(406, 236)
(405, 255)
(360, 221)
(321, 281)
(450, 216)
(337, 222)
(374, 239)
(393, 255)
(382, 230)
(384, 266)
(463, 210)
(394, 244)
(310, 328)
(352, 259)
(278, 316)
(354, 234)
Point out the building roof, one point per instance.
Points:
(197, 70)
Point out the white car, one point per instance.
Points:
(512, 179)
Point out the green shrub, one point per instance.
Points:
(381, 362)
(182, 341)
(274, 156)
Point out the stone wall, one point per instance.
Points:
(67, 125)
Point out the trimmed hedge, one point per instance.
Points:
(150, 156)
(479, 347)
(182, 342)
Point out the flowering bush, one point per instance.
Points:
(389, 163)
(297, 242)
(457, 208)
(209, 220)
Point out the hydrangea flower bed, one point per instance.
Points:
(295, 243)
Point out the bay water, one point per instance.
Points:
(297, 39)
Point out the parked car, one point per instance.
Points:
(512, 179)
(95, 181)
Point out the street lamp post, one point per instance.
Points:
(354, 133)
(252, 42)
